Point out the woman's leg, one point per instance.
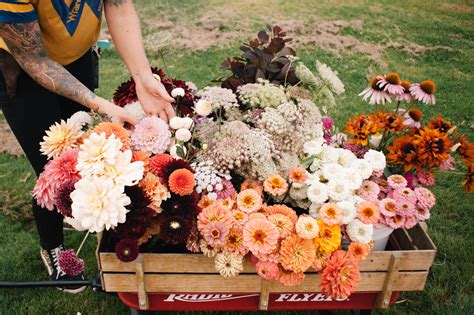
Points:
(32, 111)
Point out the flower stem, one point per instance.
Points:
(287, 192)
(82, 243)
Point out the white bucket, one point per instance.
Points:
(380, 238)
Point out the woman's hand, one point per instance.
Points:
(154, 98)
(116, 113)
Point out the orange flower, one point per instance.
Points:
(404, 152)
(298, 175)
(440, 124)
(433, 147)
(341, 275)
(388, 121)
(252, 184)
(114, 129)
(281, 209)
(283, 223)
(361, 127)
(368, 212)
(320, 260)
(141, 156)
(275, 185)
(329, 238)
(297, 254)
(158, 161)
(181, 182)
(359, 251)
(290, 278)
(468, 183)
(155, 190)
(466, 151)
(205, 202)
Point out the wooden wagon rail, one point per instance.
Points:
(385, 272)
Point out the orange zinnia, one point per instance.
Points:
(341, 275)
(181, 182)
(281, 209)
(297, 254)
(433, 146)
(359, 251)
(329, 237)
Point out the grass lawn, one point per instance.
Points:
(418, 39)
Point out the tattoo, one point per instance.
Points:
(115, 3)
(24, 42)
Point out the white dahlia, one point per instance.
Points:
(376, 159)
(135, 110)
(98, 204)
(81, 119)
(96, 153)
(123, 171)
(229, 264)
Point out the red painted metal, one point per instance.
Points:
(249, 302)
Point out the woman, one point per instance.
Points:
(48, 74)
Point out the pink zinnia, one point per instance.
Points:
(249, 201)
(369, 190)
(422, 213)
(426, 178)
(260, 236)
(298, 175)
(391, 83)
(395, 222)
(376, 94)
(397, 181)
(405, 194)
(330, 213)
(406, 208)
(388, 207)
(424, 92)
(227, 190)
(410, 221)
(267, 270)
(214, 212)
(368, 212)
(151, 134)
(426, 199)
(275, 185)
(215, 233)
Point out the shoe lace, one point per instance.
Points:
(55, 256)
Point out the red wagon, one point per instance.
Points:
(164, 282)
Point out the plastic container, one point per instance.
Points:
(380, 238)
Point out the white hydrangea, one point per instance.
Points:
(376, 159)
(360, 232)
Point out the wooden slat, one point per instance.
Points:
(264, 295)
(155, 283)
(196, 263)
(403, 239)
(420, 239)
(383, 298)
(141, 286)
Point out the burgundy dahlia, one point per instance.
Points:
(125, 93)
(172, 166)
(127, 250)
(63, 198)
(181, 205)
(175, 229)
(138, 197)
(69, 263)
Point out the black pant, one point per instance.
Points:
(30, 113)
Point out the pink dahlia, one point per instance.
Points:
(215, 233)
(397, 181)
(69, 263)
(260, 236)
(391, 83)
(426, 199)
(63, 168)
(267, 270)
(424, 92)
(376, 94)
(45, 191)
(151, 134)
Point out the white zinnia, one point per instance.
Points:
(81, 119)
(352, 177)
(183, 134)
(229, 264)
(124, 172)
(314, 210)
(363, 167)
(203, 108)
(360, 232)
(98, 204)
(317, 192)
(329, 155)
(96, 153)
(376, 159)
(177, 92)
(338, 189)
(348, 211)
(307, 227)
(345, 157)
(313, 147)
(332, 171)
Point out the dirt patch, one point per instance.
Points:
(458, 8)
(9, 144)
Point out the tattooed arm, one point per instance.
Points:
(25, 44)
(124, 26)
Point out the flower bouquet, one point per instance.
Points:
(252, 170)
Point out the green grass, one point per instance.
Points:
(434, 23)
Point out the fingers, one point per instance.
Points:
(164, 116)
(130, 120)
(164, 94)
(170, 111)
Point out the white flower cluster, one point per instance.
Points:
(330, 78)
(335, 175)
(218, 97)
(99, 200)
(262, 94)
(207, 177)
